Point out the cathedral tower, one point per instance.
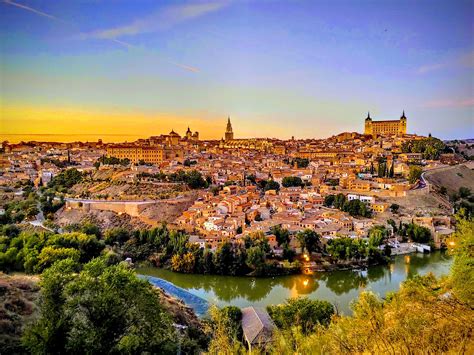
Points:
(229, 134)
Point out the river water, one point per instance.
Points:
(338, 287)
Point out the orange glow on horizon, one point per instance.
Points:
(23, 122)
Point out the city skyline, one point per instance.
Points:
(303, 69)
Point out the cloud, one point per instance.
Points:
(159, 20)
(185, 12)
(463, 61)
(449, 103)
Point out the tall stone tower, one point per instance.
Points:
(368, 125)
(402, 126)
(229, 134)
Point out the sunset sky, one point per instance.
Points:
(119, 70)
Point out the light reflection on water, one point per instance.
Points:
(338, 287)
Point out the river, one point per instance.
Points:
(338, 287)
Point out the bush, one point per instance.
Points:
(301, 312)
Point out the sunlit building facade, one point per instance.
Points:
(391, 127)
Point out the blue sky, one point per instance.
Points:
(278, 68)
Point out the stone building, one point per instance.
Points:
(391, 127)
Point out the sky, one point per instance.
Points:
(119, 70)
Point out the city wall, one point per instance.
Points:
(131, 208)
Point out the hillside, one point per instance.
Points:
(452, 178)
(18, 295)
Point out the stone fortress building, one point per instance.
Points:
(391, 127)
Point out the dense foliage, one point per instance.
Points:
(65, 180)
(292, 181)
(415, 232)
(267, 185)
(101, 309)
(414, 173)
(349, 249)
(111, 161)
(309, 240)
(171, 248)
(193, 178)
(18, 211)
(355, 208)
(32, 252)
(430, 147)
(301, 312)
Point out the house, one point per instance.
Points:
(257, 327)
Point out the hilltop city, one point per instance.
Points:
(217, 177)
(220, 191)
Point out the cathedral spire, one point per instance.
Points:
(229, 134)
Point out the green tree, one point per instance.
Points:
(282, 235)
(414, 174)
(224, 334)
(290, 181)
(272, 185)
(309, 240)
(339, 201)
(256, 259)
(65, 180)
(49, 255)
(102, 309)
(418, 234)
(223, 258)
(377, 234)
(301, 312)
(329, 200)
(116, 235)
(462, 270)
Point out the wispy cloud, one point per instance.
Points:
(449, 103)
(159, 20)
(185, 13)
(41, 13)
(465, 60)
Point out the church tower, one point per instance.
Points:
(229, 134)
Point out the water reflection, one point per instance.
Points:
(341, 282)
(338, 286)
